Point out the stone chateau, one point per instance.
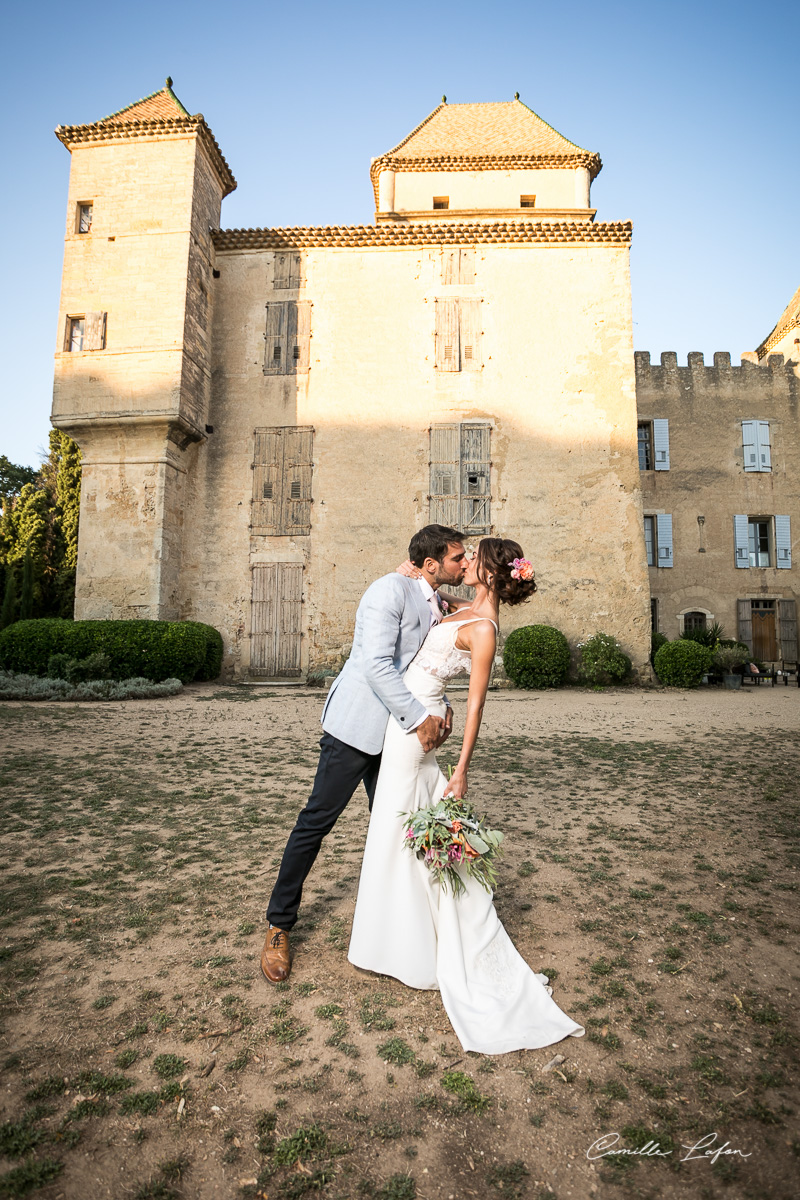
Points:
(266, 415)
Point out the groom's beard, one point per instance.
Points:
(454, 580)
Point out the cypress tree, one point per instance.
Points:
(26, 599)
(8, 613)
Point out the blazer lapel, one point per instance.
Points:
(423, 611)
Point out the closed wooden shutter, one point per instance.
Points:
(450, 266)
(280, 277)
(749, 445)
(466, 264)
(470, 334)
(301, 350)
(276, 619)
(744, 615)
(783, 542)
(787, 629)
(94, 331)
(741, 540)
(275, 349)
(267, 473)
(447, 348)
(475, 479)
(445, 465)
(661, 444)
(764, 452)
(296, 482)
(664, 539)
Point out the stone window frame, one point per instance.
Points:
(694, 608)
(79, 209)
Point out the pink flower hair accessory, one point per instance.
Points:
(522, 569)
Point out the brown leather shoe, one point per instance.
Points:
(276, 961)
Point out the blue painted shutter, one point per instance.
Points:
(664, 539)
(661, 444)
(741, 540)
(783, 542)
(749, 445)
(762, 445)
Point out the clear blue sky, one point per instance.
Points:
(691, 106)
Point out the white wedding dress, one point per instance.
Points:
(406, 926)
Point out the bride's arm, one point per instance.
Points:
(483, 642)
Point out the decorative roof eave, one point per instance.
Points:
(74, 135)
(488, 162)
(777, 335)
(616, 233)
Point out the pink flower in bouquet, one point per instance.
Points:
(522, 569)
(454, 853)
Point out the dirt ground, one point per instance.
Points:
(651, 871)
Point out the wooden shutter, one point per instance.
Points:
(299, 350)
(661, 444)
(787, 629)
(741, 540)
(94, 331)
(466, 264)
(280, 275)
(664, 539)
(276, 619)
(296, 480)
(445, 450)
(275, 350)
(749, 445)
(447, 348)
(267, 473)
(470, 334)
(295, 270)
(783, 542)
(744, 614)
(475, 479)
(450, 266)
(762, 439)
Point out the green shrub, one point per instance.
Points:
(156, 650)
(536, 656)
(603, 660)
(682, 663)
(79, 670)
(657, 640)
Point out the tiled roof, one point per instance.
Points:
(465, 130)
(159, 115)
(162, 105)
(617, 233)
(506, 135)
(789, 319)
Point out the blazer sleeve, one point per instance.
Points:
(382, 611)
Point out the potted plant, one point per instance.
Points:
(726, 660)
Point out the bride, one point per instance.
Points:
(405, 925)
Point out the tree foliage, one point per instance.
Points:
(39, 533)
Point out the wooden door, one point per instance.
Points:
(765, 643)
(276, 620)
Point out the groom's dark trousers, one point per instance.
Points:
(341, 769)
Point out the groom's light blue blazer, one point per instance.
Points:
(392, 622)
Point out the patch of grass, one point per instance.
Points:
(373, 1015)
(509, 1178)
(143, 1103)
(396, 1051)
(90, 1108)
(52, 1085)
(328, 1011)
(461, 1085)
(167, 1066)
(615, 1090)
(266, 1121)
(103, 1002)
(18, 1138)
(397, 1187)
(126, 1058)
(35, 1173)
(308, 1142)
(97, 1081)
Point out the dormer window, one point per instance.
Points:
(84, 222)
(527, 202)
(441, 202)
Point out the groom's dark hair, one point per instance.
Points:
(432, 542)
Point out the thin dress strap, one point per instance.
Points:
(472, 620)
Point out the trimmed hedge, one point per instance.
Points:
(184, 650)
(536, 656)
(603, 660)
(682, 663)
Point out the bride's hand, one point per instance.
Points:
(457, 785)
(408, 569)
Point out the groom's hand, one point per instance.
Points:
(447, 727)
(429, 732)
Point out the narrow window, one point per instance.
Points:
(653, 615)
(527, 202)
(650, 540)
(645, 438)
(441, 201)
(759, 541)
(75, 331)
(287, 338)
(84, 223)
(694, 621)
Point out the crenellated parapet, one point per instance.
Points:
(772, 376)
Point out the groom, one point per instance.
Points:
(392, 621)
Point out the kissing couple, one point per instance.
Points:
(384, 718)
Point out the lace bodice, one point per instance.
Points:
(439, 655)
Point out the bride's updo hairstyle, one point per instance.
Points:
(502, 568)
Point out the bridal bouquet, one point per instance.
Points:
(449, 836)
